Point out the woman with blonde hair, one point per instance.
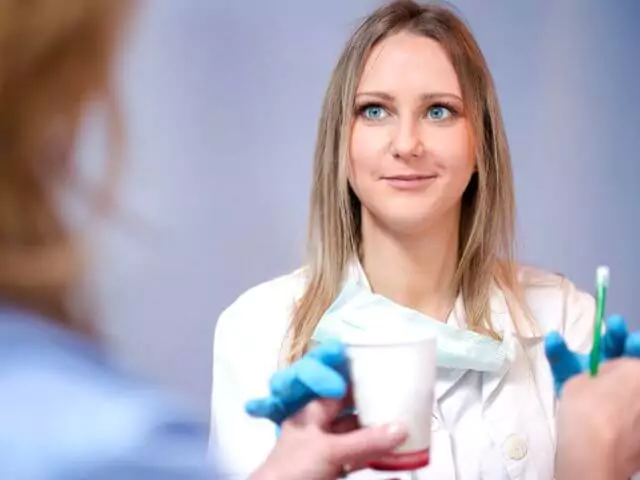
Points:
(413, 199)
(66, 411)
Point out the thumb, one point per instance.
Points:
(365, 444)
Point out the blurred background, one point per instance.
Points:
(221, 101)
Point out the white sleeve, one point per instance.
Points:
(242, 367)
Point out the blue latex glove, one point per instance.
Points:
(321, 373)
(564, 363)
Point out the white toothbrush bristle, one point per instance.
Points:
(602, 276)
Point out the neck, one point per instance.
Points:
(416, 271)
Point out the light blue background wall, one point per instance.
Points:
(222, 100)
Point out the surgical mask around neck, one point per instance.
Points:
(359, 315)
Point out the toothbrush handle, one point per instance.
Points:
(597, 330)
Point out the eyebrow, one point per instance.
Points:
(425, 97)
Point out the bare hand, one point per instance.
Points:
(598, 424)
(313, 445)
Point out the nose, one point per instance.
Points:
(406, 143)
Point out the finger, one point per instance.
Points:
(563, 362)
(281, 382)
(295, 387)
(345, 424)
(289, 392)
(632, 345)
(322, 380)
(321, 413)
(615, 337)
(306, 379)
(331, 353)
(362, 445)
(268, 407)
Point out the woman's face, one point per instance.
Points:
(411, 155)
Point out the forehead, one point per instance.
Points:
(406, 63)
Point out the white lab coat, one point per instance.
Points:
(515, 407)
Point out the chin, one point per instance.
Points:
(406, 223)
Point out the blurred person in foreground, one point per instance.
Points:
(66, 412)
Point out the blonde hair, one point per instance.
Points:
(488, 206)
(55, 61)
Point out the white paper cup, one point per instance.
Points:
(393, 382)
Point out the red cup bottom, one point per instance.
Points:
(397, 462)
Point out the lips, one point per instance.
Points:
(409, 181)
(409, 178)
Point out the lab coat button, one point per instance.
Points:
(515, 447)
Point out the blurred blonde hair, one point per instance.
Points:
(488, 205)
(55, 61)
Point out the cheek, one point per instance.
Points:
(366, 153)
(453, 150)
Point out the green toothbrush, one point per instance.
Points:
(602, 284)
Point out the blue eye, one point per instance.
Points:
(439, 112)
(374, 112)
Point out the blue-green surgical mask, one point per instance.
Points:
(359, 315)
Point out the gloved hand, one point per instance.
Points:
(616, 342)
(321, 373)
